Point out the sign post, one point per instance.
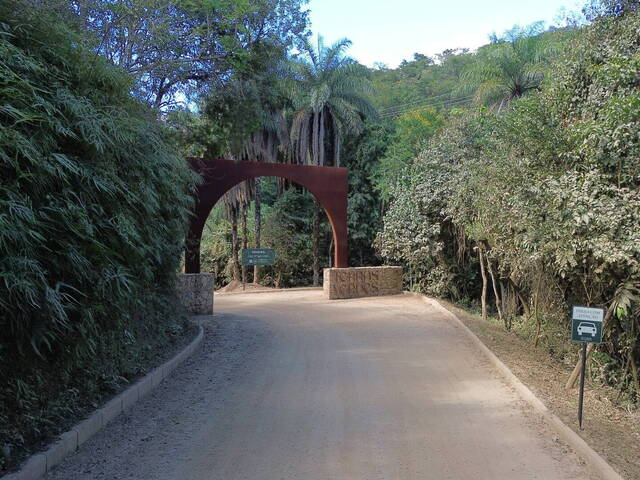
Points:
(257, 256)
(586, 327)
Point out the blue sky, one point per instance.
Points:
(390, 31)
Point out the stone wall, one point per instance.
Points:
(195, 291)
(362, 282)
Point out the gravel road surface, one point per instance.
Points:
(288, 385)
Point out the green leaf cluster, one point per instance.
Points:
(93, 208)
(550, 190)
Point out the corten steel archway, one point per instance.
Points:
(328, 184)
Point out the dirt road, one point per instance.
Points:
(292, 386)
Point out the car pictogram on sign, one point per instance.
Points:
(587, 329)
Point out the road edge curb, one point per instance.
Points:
(582, 448)
(68, 442)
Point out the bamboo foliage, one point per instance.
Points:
(93, 210)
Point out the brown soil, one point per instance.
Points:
(235, 286)
(613, 432)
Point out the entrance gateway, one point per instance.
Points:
(329, 185)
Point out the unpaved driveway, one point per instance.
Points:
(291, 386)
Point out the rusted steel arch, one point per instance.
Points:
(328, 184)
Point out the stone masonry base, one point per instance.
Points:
(362, 282)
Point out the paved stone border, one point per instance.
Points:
(588, 454)
(39, 464)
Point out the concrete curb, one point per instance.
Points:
(589, 455)
(39, 464)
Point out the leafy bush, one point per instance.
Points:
(93, 209)
(550, 190)
(287, 229)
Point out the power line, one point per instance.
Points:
(424, 99)
(445, 103)
(403, 108)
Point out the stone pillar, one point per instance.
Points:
(195, 291)
(362, 282)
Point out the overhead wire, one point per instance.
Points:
(444, 103)
(399, 109)
(422, 100)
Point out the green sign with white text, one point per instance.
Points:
(258, 256)
(586, 324)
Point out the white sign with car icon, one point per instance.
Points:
(586, 324)
(587, 329)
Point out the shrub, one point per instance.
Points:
(93, 209)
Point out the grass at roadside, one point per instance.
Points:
(612, 431)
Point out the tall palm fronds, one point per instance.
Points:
(508, 70)
(271, 143)
(328, 96)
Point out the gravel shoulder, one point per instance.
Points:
(288, 385)
(613, 432)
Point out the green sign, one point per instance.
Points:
(586, 324)
(258, 256)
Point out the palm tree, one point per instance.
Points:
(329, 99)
(508, 70)
(253, 104)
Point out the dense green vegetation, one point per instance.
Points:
(95, 199)
(539, 201)
(505, 179)
(93, 205)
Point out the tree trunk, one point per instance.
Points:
(316, 244)
(483, 297)
(525, 305)
(495, 291)
(234, 243)
(314, 140)
(336, 145)
(245, 240)
(321, 138)
(576, 370)
(258, 225)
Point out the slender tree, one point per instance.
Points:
(329, 98)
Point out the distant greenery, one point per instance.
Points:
(93, 209)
